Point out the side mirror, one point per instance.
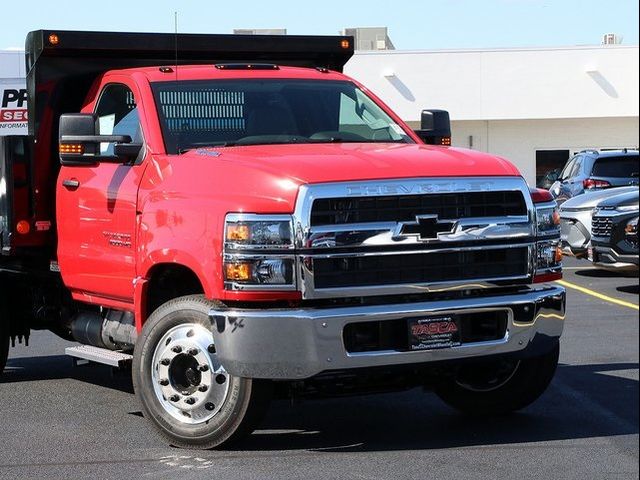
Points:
(435, 127)
(79, 142)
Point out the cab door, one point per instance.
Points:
(96, 206)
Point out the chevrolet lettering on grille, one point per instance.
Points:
(426, 227)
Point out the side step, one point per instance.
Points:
(99, 355)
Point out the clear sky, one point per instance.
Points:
(413, 25)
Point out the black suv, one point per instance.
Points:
(614, 232)
(590, 170)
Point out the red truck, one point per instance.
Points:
(234, 218)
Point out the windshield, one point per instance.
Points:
(269, 111)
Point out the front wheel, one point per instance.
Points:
(183, 388)
(499, 387)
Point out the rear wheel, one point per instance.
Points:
(499, 387)
(183, 388)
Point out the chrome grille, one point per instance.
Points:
(413, 235)
(601, 226)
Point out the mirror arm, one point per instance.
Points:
(128, 151)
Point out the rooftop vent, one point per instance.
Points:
(260, 31)
(611, 39)
(370, 38)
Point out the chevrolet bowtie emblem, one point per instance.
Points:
(426, 228)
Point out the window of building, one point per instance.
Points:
(549, 164)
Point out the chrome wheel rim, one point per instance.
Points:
(189, 381)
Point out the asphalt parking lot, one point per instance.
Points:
(57, 421)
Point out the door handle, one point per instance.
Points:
(70, 183)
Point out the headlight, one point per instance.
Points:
(548, 256)
(258, 231)
(547, 220)
(256, 253)
(258, 271)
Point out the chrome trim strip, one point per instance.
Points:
(612, 214)
(382, 253)
(386, 235)
(258, 287)
(430, 287)
(236, 256)
(469, 221)
(543, 205)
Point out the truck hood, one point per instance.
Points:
(274, 172)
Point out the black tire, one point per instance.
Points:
(518, 387)
(244, 404)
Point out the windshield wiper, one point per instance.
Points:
(351, 140)
(194, 146)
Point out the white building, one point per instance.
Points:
(12, 84)
(533, 106)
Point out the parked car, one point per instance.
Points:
(592, 170)
(575, 218)
(614, 242)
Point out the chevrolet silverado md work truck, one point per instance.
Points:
(235, 219)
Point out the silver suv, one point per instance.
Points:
(591, 170)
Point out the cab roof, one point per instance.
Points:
(167, 73)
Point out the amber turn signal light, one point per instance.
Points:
(558, 255)
(237, 271)
(76, 148)
(238, 232)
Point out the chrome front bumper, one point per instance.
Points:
(289, 344)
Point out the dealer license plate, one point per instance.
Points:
(428, 333)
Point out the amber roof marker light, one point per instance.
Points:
(345, 43)
(54, 39)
